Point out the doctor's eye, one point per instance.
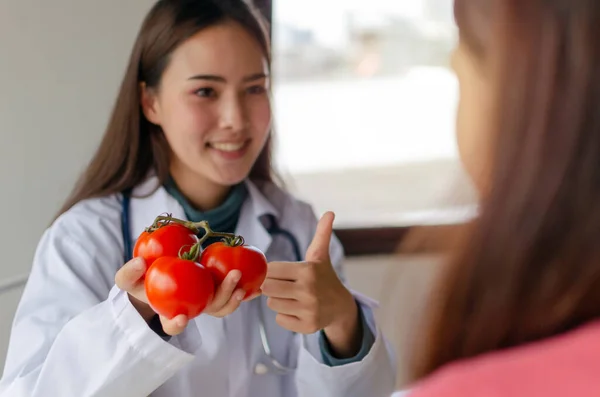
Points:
(256, 90)
(206, 92)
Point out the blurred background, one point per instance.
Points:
(365, 88)
(364, 118)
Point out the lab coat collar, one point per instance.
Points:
(261, 205)
(149, 199)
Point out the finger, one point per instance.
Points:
(282, 271)
(128, 278)
(253, 296)
(174, 326)
(291, 323)
(279, 288)
(232, 304)
(290, 307)
(318, 250)
(225, 290)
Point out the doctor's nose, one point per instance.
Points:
(233, 115)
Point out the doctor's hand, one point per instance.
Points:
(227, 297)
(309, 297)
(129, 278)
(226, 300)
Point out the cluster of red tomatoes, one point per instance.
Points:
(181, 277)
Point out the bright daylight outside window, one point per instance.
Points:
(364, 104)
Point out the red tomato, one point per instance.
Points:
(177, 286)
(220, 258)
(165, 241)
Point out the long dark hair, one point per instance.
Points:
(132, 146)
(529, 267)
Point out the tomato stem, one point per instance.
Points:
(192, 254)
(236, 241)
(195, 250)
(230, 239)
(164, 220)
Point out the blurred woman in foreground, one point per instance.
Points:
(517, 312)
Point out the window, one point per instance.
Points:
(364, 104)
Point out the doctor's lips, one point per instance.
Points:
(181, 277)
(228, 146)
(230, 149)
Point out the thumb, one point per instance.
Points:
(318, 250)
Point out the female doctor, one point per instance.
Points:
(189, 135)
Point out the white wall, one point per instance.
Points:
(61, 63)
(8, 304)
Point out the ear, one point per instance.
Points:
(149, 103)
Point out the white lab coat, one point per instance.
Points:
(75, 334)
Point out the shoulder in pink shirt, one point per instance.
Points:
(563, 366)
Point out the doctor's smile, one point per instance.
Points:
(229, 150)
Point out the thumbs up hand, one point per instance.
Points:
(309, 297)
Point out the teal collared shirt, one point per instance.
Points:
(223, 218)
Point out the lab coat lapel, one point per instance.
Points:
(148, 202)
(249, 225)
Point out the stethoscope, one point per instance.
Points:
(273, 230)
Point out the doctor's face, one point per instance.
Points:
(213, 105)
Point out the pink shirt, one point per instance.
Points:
(563, 366)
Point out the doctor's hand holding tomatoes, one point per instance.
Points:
(223, 301)
(170, 277)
